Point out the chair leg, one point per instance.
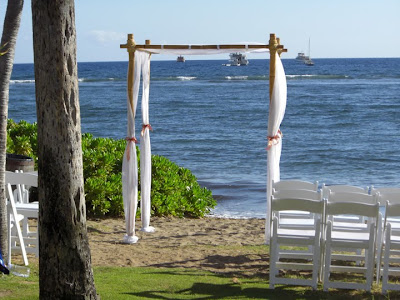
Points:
(370, 261)
(316, 262)
(385, 273)
(272, 265)
(328, 254)
(9, 237)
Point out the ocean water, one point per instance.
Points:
(341, 126)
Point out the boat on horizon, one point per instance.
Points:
(301, 56)
(180, 59)
(308, 61)
(237, 59)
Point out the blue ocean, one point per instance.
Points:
(341, 126)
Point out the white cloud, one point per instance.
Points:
(105, 37)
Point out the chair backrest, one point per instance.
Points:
(295, 185)
(352, 208)
(21, 178)
(343, 188)
(352, 197)
(392, 197)
(387, 190)
(392, 210)
(309, 205)
(293, 194)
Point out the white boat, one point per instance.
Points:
(237, 59)
(301, 56)
(180, 59)
(308, 61)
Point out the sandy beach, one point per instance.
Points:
(213, 244)
(234, 247)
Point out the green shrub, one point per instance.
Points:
(175, 190)
(22, 138)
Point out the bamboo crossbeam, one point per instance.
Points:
(202, 47)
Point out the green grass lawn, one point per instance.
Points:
(162, 283)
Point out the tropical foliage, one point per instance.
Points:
(175, 190)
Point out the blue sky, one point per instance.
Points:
(340, 28)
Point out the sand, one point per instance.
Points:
(234, 247)
(213, 244)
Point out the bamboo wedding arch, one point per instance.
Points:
(139, 67)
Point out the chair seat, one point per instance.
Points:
(295, 213)
(349, 226)
(350, 236)
(395, 239)
(26, 206)
(295, 221)
(294, 233)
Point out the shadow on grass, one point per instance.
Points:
(235, 291)
(245, 265)
(221, 291)
(247, 288)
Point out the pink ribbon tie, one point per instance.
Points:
(128, 151)
(144, 126)
(273, 140)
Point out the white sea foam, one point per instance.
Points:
(236, 77)
(23, 81)
(186, 77)
(311, 76)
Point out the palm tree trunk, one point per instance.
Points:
(64, 260)
(8, 40)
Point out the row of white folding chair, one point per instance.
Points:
(23, 240)
(298, 188)
(282, 236)
(388, 235)
(309, 190)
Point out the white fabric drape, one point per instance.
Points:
(145, 147)
(203, 51)
(129, 163)
(277, 109)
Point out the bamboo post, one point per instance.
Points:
(131, 67)
(148, 42)
(273, 44)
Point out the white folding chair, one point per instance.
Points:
(295, 237)
(393, 196)
(16, 241)
(28, 210)
(340, 245)
(391, 246)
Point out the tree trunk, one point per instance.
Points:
(64, 256)
(8, 41)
